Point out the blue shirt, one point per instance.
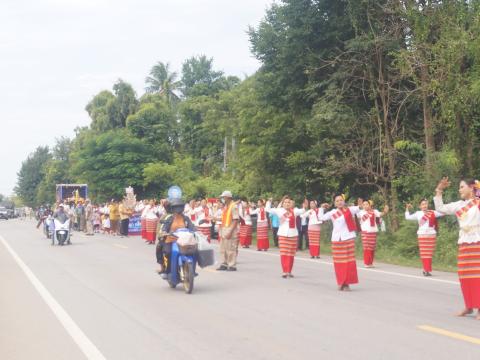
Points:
(274, 220)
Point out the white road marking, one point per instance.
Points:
(83, 342)
(316, 261)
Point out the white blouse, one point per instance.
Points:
(314, 216)
(200, 215)
(365, 223)
(469, 221)
(244, 213)
(257, 212)
(284, 228)
(340, 230)
(424, 227)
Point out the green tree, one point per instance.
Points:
(199, 78)
(155, 122)
(163, 81)
(31, 174)
(111, 161)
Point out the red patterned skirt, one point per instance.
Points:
(205, 231)
(344, 262)
(469, 274)
(288, 249)
(314, 240)
(245, 235)
(262, 235)
(151, 229)
(144, 228)
(426, 244)
(369, 243)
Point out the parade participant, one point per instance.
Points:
(217, 212)
(151, 221)
(467, 212)
(343, 241)
(287, 233)
(368, 217)
(427, 232)
(246, 227)
(262, 226)
(314, 224)
(143, 219)
(190, 210)
(139, 209)
(228, 232)
(203, 219)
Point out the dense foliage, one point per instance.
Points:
(367, 97)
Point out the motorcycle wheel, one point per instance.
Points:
(188, 277)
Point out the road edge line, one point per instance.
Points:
(84, 343)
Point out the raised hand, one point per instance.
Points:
(443, 184)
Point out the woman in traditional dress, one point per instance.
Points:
(287, 233)
(467, 212)
(262, 226)
(203, 218)
(343, 241)
(314, 224)
(245, 234)
(151, 222)
(143, 218)
(427, 233)
(369, 218)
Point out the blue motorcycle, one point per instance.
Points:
(183, 260)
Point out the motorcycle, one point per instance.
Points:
(48, 226)
(182, 259)
(61, 232)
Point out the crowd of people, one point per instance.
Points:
(233, 221)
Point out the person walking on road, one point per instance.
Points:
(368, 217)
(427, 232)
(228, 233)
(343, 241)
(314, 224)
(287, 233)
(467, 211)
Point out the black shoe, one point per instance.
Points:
(222, 268)
(426, 273)
(312, 257)
(231, 268)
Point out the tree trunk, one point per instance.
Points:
(427, 122)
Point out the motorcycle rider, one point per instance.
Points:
(61, 215)
(174, 221)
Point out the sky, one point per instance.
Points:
(55, 55)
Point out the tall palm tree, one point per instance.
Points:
(163, 82)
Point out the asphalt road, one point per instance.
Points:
(100, 298)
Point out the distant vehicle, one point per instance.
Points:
(71, 192)
(4, 214)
